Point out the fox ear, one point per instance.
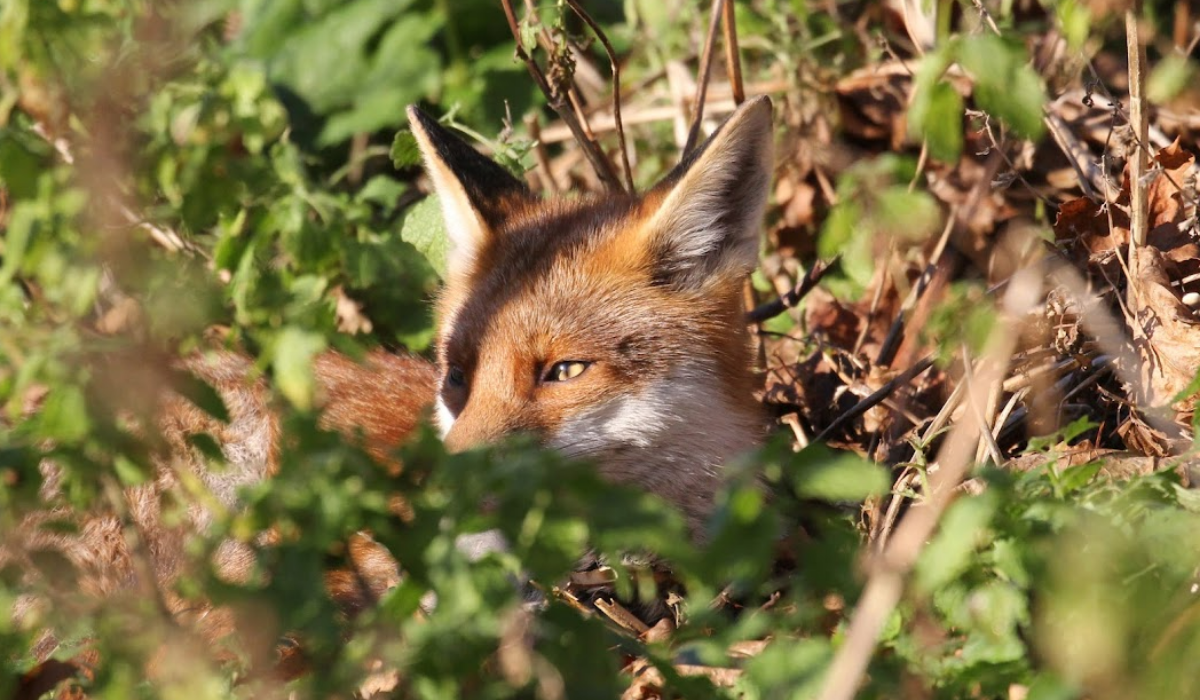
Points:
(711, 210)
(473, 190)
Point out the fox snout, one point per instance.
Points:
(479, 427)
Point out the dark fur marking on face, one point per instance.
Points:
(527, 249)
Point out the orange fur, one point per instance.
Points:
(638, 296)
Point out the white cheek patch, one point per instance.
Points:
(442, 417)
(680, 400)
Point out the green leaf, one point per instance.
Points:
(952, 549)
(1075, 20)
(936, 113)
(64, 417)
(424, 228)
(818, 472)
(1006, 86)
(941, 123)
(405, 153)
(1046, 686)
(1170, 77)
(1075, 478)
(129, 472)
(786, 668)
(293, 354)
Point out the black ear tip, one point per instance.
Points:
(759, 106)
(758, 102)
(418, 119)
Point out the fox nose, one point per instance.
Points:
(455, 440)
(474, 428)
(479, 425)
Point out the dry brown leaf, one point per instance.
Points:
(1084, 225)
(350, 317)
(872, 104)
(1172, 330)
(1165, 198)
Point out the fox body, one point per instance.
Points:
(610, 327)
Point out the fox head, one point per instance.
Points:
(608, 326)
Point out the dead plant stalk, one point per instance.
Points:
(889, 570)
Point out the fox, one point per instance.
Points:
(610, 327)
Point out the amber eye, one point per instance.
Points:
(455, 377)
(562, 371)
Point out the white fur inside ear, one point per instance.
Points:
(711, 218)
(464, 228)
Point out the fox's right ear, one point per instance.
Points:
(473, 190)
(710, 213)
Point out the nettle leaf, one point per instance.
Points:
(1006, 86)
(1074, 20)
(405, 153)
(819, 472)
(937, 109)
(64, 417)
(424, 229)
(952, 549)
(293, 352)
(1169, 78)
(941, 123)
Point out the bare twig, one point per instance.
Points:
(891, 342)
(806, 284)
(616, 88)
(986, 16)
(886, 582)
(733, 61)
(1140, 125)
(875, 398)
(541, 159)
(724, 104)
(705, 69)
(559, 101)
(1077, 154)
(164, 237)
(1138, 121)
(984, 412)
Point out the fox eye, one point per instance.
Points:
(455, 377)
(562, 371)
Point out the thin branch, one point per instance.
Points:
(733, 61)
(886, 582)
(891, 342)
(705, 71)
(541, 159)
(616, 89)
(875, 398)
(806, 284)
(1140, 125)
(559, 103)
